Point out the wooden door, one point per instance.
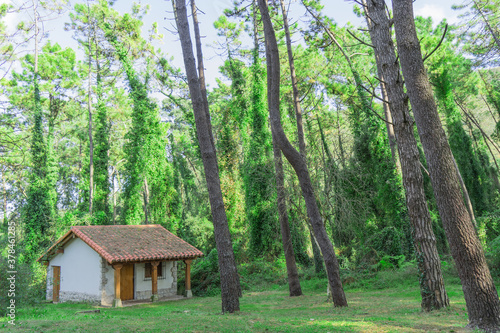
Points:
(56, 283)
(127, 282)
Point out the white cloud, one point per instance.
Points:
(437, 12)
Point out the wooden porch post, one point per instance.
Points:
(154, 280)
(188, 278)
(117, 301)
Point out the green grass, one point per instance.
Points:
(393, 309)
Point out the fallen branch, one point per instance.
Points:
(88, 311)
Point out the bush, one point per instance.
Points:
(387, 242)
(205, 277)
(406, 274)
(488, 227)
(493, 256)
(260, 272)
(29, 284)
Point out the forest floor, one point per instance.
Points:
(395, 308)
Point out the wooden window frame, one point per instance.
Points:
(148, 270)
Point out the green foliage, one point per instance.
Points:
(260, 273)
(29, 276)
(452, 86)
(493, 256)
(101, 159)
(205, 276)
(488, 227)
(148, 173)
(481, 37)
(365, 189)
(30, 284)
(258, 171)
(387, 242)
(299, 239)
(39, 209)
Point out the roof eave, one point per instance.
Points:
(119, 261)
(47, 255)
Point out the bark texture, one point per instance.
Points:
(388, 122)
(297, 161)
(432, 288)
(291, 267)
(286, 236)
(230, 288)
(481, 296)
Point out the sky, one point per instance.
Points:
(161, 12)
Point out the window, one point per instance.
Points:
(148, 270)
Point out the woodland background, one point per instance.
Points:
(110, 138)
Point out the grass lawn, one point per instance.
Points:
(394, 309)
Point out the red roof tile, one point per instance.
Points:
(122, 243)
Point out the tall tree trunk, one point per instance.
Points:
(91, 144)
(145, 194)
(101, 160)
(465, 194)
(339, 136)
(201, 77)
(295, 89)
(201, 68)
(80, 196)
(389, 124)
(479, 290)
(293, 276)
(297, 161)
(286, 236)
(318, 260)
(230, 288)
(432, 288)
(114, 194)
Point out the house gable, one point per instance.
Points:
(80, 272)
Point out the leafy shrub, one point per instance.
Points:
(387, 242)
(488, 227)
(260, 272)
(406, 274)
(205, 277)
(29, 285)
(493, 256)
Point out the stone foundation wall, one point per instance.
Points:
(161, 293)
(107, 283)
(70, 296)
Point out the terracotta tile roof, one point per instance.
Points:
(122, 243)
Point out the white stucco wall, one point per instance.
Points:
(80, 272)
(167, 285)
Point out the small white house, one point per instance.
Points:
(115, 263)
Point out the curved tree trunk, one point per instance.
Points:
(286, 236)
(293, 276)
(297, 161)
(431, 280)
(479, 290)
(230, 288)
